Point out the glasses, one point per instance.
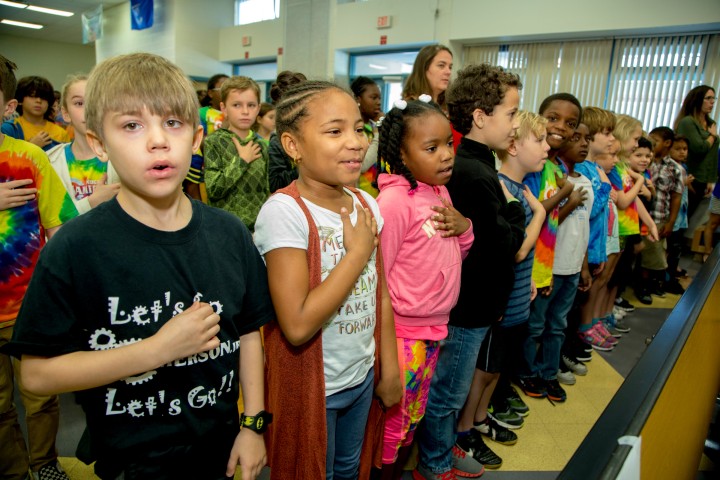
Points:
(712, 99)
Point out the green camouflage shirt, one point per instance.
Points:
(232, 184)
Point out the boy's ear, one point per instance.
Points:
(290, 145)
(198, 138)
(512, 149)
(222, 107)
(479, 117)
(10, 107)
(97, 145)
(65, 114)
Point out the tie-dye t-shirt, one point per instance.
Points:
(211, 119)
(544, 186)
(369, 176)
(628, 220)
(84, 174)
(21, 228)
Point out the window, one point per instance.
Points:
(263, 73)
(650, 77)
(253, 11)
(646, 78)
(388, 69)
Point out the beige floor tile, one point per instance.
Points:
(77, 470)
(536, 450)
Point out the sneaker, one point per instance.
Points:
(643, 297)
(516, 403)
(495, 432)
(482, 452)
(680, 272)
(464, 465)
(658, 291)
(624, 304)
(532, 387)
(554, 391)
(673, 287)
(619, 312)
(576, 348)
(598, 341)
(601, 328)
(574, 365)
(506, 417)
(51, 471)
(565, 376)
(422, 473)
(580, 349)
(621, 326)
(609, 324)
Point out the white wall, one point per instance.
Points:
(484, 20)
(52, 60)
(118, 38)
(197, 41)
(356, 23)
(266, 38)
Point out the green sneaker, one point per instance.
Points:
(507, 418)
(516, 403)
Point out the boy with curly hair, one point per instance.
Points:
(483, 105)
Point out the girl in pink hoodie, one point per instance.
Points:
(424, 242)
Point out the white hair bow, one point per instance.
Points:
(425, 98)
(401, 104)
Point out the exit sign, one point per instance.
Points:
(384, 21)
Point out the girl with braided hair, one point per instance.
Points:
(424, 241)
(331, 357)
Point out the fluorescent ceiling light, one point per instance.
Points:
(13, 4)
(377, 67)
(51, 11)
(35, 8)
(21, 24)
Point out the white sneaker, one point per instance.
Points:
(566, 378)
(619, 312)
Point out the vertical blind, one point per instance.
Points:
(646, 78)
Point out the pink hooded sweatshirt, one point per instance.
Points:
(422, 267)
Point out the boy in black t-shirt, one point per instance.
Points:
(155, 300)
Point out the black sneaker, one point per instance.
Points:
(554, 391)
(532, 387)
(679, 273)
(624, 304)
(673, 287)
(657, 290)
(495, 432)
(577, 348)
(480, 451)
(643, 297)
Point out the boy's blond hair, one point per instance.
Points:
(240, 83)
(598, 119)
(624, 127)
(129, 83)
(69, 82)
(530, 124)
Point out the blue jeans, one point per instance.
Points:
(546, 327)
(347, 413)
(448, 391)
